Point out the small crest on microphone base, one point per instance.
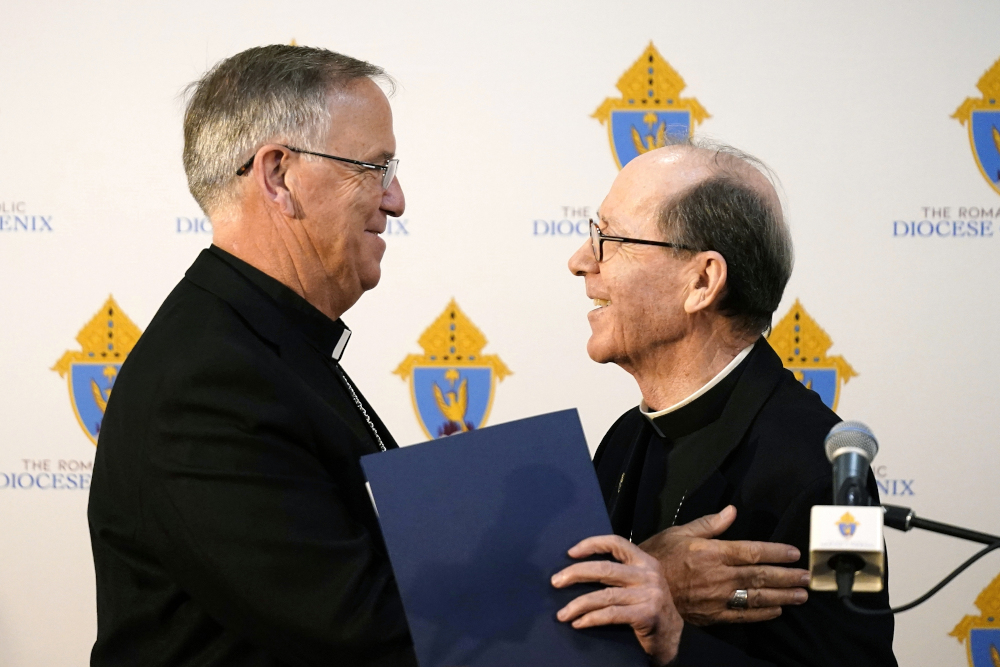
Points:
(981, 634)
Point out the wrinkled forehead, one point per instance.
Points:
(648, 183)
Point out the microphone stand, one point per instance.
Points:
(903, 518)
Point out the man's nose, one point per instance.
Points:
(393, 201)
(582, 262)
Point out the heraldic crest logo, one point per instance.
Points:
(90, 372)
(981, 634)
(848, 525)
(802, 345)
(452, 383)
(982, 117)
(650, 109)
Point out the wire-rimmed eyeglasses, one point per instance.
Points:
(388, 169)
(597, 241)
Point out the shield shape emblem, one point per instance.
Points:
(89, 390)
(90, 372)
(984, 647)
(802, 345)
(984, 134)
(452, 383)
(636, 132)
(981, 634)
(821, 380)
(452, 399)
(982, 117)
(650, 110)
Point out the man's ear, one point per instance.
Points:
(270, 166)
(708, 281)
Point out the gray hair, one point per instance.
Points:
(731, 216)
(274, 93)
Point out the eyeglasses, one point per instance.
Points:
(388, 169)
(597, 241)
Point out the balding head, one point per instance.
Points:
(715, 197)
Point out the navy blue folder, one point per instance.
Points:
(476, 524)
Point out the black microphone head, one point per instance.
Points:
(851, 436)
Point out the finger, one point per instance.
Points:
(709, 525)
(602, 571)
(622, 550)
(607, 597)
(770, 576)
(748, 615)
(748, 553)
(776, 597)
(625, 615)
(607, 616)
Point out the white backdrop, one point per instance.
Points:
(849, 102)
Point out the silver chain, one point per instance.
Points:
(364, 413)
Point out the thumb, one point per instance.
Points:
(710, 525)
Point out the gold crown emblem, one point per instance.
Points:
(801, 342)
(651, 83)
(452, 340)
(988, 603)
(109, 336)
(105, 341)
(989, 86)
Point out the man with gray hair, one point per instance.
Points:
(229, 518)
(715, 472)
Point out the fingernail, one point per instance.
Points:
(801, 596)
(561, 615)
(556, 580)
(805, 579)
(793, 553)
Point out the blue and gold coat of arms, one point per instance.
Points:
(90, 372)
(650, 109)
(802, 345)
(981, 634)
(982, 117)
(452, 383)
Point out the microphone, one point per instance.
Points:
(845, 540)
(851, 447)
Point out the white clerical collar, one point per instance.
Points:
(701, 392)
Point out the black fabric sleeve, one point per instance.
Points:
(254, 527)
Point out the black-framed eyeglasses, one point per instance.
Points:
(388, 169)
(597, 241)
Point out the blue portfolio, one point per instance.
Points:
(476, 524)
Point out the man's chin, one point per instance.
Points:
(370, 281)
(599, 352)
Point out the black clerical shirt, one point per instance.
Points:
(675, 437)
(755, 441)
(229, 518)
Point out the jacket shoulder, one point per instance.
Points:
(624, 429)
(786, 438)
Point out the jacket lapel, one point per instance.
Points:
(263, 316)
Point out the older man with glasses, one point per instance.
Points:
(715, 472)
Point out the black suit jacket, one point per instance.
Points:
(764, 454)
(229, 518)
